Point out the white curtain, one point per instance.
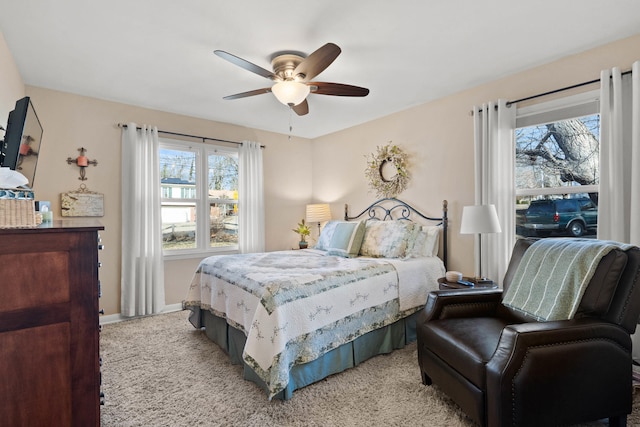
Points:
(494, 184)
(619, 199)
(142, 279)
(250, 198)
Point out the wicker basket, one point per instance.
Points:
(17, 213)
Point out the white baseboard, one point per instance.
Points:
(113, 318)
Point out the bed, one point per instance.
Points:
(292, 318)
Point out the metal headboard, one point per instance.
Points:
(394, 209)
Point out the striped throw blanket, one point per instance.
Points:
(553, 276)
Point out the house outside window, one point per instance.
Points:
(557, 170)
(199, 198)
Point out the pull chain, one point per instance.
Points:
(290, 126)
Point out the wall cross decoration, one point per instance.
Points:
(82, 162)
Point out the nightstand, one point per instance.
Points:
(443, 284)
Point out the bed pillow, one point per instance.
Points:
(326, 234)
(425, 242)
(386, 239)
(346, 239)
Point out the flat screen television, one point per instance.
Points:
(20, 148)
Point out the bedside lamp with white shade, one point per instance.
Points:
(318, 212)
(480, 219)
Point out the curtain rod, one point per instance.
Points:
(551, 92)
(203, 138)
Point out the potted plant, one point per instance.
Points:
(303, 230)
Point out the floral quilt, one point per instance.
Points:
(294, 306)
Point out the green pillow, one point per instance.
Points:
(347, 239)
(386, 239)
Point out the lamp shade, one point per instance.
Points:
(319, 212)
(479, 219)
(290, 93)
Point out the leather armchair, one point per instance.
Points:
(504, 368)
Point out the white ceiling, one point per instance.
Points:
(159, 53)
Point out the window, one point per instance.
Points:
(557, 169)
(199, 190)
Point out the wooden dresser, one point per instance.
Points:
(49, 328)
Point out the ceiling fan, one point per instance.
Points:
(292, 74)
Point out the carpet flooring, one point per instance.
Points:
(160, 371)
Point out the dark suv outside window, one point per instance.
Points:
(570, 216)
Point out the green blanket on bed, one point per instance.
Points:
(553, 276)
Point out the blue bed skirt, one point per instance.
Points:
(379, 341)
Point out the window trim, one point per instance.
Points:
(570, 107)
(578, 189)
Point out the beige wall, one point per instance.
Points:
(11, 85)
(437, 135)
(72, 121)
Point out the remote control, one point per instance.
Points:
(465, 283)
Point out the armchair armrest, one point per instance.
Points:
(463, 303)
(516, 340)
(538, 364)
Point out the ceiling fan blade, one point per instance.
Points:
(249, 93)
(302, 108)
(243, 63)
(337, 89)
(317, 62)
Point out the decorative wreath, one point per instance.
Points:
(390, 186)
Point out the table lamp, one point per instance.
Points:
(480, 219)
(319, 212)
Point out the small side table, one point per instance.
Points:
(443, 284)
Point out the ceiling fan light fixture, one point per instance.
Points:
(292, 77)
(290, 92)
